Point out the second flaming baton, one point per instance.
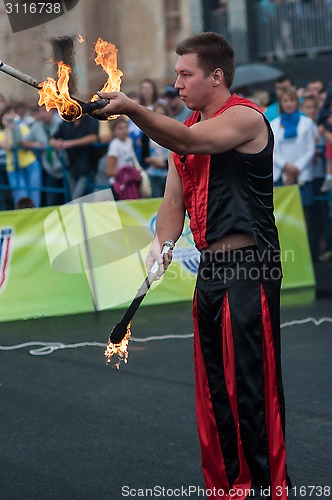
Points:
(87, 107)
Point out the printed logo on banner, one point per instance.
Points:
(6, 238)
(23, 15)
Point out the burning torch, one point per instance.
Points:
(120, 334)
(55, 94)
(86, 107)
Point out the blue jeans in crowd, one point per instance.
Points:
(26, 182)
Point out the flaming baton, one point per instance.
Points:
(120, 334)
(55, 94)
(74, 107)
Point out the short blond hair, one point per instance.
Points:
(290, 92)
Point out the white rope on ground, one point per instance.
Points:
(316, 322)
(49, 347)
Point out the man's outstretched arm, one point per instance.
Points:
(235, 127)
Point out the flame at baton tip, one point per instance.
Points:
(55, 94)
(107, 59)
(121, 350)
(80, 39)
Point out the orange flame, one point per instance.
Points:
(55, 94)
(107, 59)
(80, 39)
(121, 350)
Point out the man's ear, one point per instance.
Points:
(217, 76)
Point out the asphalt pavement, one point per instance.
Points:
(74, 428)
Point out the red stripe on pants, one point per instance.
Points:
(212, 458)
(243, 482)
(277, 449)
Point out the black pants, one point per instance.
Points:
(239, 394)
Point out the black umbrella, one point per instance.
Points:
(256, 73)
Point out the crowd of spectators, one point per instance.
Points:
(51, 161)
(46, 161)
(301, 120)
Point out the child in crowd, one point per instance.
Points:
(124, 178)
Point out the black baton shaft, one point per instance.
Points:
(87, 107)
(128, 316)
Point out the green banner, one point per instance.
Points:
(30, 286)
(91, 256)
(297, 265)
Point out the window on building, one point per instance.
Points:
(172, 16)
(63, 50)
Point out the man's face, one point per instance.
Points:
(193, 86)
(315, 88)
(174, 103)
(21, 111)
(310, 108)
(280, 86)
(9, 117)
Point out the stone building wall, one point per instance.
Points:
(141, 29)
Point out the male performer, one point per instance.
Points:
(221, 173)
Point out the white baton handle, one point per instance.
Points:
(168, 245)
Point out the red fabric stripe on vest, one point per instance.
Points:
(212, 458)
(277, 449)
(243, 482)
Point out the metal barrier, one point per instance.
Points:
(92, 186)
(45, 186)
(284, 29)
(42, 188)
(219, 24)
(289, 28)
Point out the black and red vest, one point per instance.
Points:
(230, 192)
